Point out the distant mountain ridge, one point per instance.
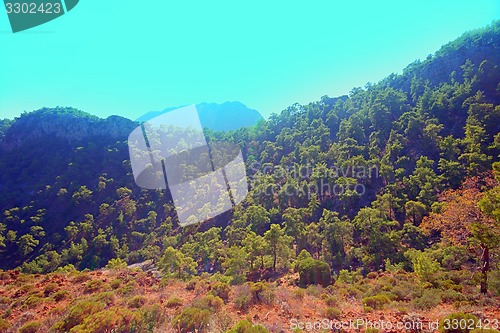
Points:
(227, 116)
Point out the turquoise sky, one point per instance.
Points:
(130, 57)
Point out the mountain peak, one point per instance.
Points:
(218, 117)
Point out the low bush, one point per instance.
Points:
(312, 271)
(367, 309)
(244, 326)
(333, 313)
(77, 314)
(32, 301)
(451, 296)
(191, 285)
(331, 301)
(174, 302)
(60, 295)
(115, 284)
(107, 297)
(299, 293)
(243, 299)
(404, 290)
(429, 299)
(30, 327)
(111, 320)
(372, 330)
(376, 302)
(137, 302)
(349, 277)
(151, 316)
(50, 288)
(93, 286)
(494, 282)
(314, 290)
(451, 285)
(81, 277)
(210, 302)
(192, 320)
(128, 289)
(116, 263)
(4, 325)
(221, 290)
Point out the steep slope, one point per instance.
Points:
(69, 195)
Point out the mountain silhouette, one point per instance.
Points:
(227, 116)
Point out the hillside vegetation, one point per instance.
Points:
(388, 198)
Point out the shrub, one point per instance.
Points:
(221, 290)
(451, 285)
(333, 313)
(76, 315)
(244, 326)
(376, 302)
(424, 266)
(107, 298)
(93, 286)
(4, 325)
(174, 302)
(210, 302)
(349, 277)
(150, 317)
(331, 301)
(30, 327)
(243, 298)
(494, 282)
(312, 271)
(314, 290)
(137, 301)
(191, 285)
(371, 330)
(367, 309)
(81, 277)
(451, 296)
(429, 299)
(404, 290)
(32, 301)
(110, 320)
(115, 284)
(458, 323)
(116, 263)
(268, 296)
(128, 289)
(192, 320)
(50, 288)
(257, 290)
(69, 268)
(60, 295)
(299, 293)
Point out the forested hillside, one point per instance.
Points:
(366, 181)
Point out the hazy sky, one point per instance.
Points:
(130, 57)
